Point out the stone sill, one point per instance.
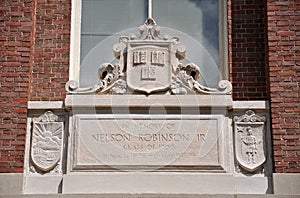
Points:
(258, 105)
(137, 101)
(212, 101)
(114, 195)
(36, 105)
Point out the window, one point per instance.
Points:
(97, 25)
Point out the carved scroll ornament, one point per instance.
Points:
(149, 63)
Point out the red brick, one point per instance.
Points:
(283, 28)
(13, 23)
(281, 164)
(51, 48)
(247, 49)
(15, 39)
(12, 43)
(292, 170)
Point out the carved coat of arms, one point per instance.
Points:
(249, 134)
(149, 63)
(46, 141)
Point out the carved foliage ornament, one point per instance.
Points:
(149, 63)
(250, 146)
(46, 141)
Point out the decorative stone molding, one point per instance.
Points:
(46, 145)
(249, 132)
(147, 64)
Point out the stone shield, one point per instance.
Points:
(149, 65)
(46, 144)
(249, 132)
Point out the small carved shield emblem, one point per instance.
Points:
(46, 143)
(149, 66)
(250, 141)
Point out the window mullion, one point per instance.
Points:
(150, 9)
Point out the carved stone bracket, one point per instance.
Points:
(249, 132)
(46, 145)
(149, 63)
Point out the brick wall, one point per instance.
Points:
(15, 47)
(284, 63)
(247, 47)
(34, 62)
(50, 70)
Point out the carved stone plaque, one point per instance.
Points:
(250, 141)
(46, 141)
(149, 65)
(147, 143)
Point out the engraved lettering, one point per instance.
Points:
(118, 137)
(149, 126)
(170, 125)
(148, 147)
(168, 137)
(201, 137)
(164, 137)
(150, 141)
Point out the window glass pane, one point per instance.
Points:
(101, 19)
(195, 22)
(197, 19)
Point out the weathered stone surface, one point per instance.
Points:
(46, 145)
(286, 183)
(149, 66)
(144, 142)
(142, 101)
(11, 183)
(37, 184)
(148, 195)
(249, 131)
(163, 183)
